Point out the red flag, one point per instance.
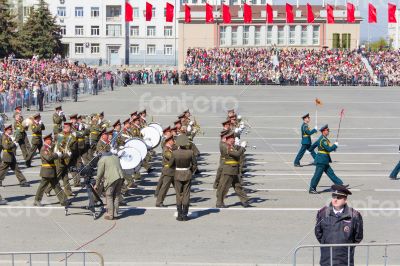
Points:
(329, 14)
(169, 13)
(188, 16)
(392, 13)
(350, 13)
(128, 12)
(310, 14)
(226, 14)
(247, 13)
(209, 13)
(149, 11)
(270, 14)
(289, 13)
(371, 13)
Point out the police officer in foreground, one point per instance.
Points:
(305, 140)
(184, 162)
(338, 224)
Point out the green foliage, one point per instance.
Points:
(378, 45)
(7, 29)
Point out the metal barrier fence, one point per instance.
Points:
(331, 247)
(68, 258)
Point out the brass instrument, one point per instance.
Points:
(197, 128)
(28, 122)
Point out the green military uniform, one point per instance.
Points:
(230, 172)
(37, 142)
(22, 139)
(102, 147)
(222, 150)
(48, 172)
(57, 123)
(9, 161)
(94, 136)
(167, 176)
(135, 132)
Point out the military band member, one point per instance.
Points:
(58, 119)
(37, 143)
(338, 224)
(103, 145)
(226, 125)
(174, 131)
(184, 163)
(322, 161)
(135, 128)
(82, 135)
(121, 139)
(167, 133)
(78, 149)
(143, 118)
(18, 111)
(230, 172)
(94, 135)
(21, 137)
(125, 133)
(115, 134)
(305, 140)
(231, 113)
(222, 150)
(178, 126)
(48, 173)
(9, 160)
(167, 172)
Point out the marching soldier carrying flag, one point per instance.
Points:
(305, 140)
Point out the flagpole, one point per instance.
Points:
(126, 39)
(175, 29)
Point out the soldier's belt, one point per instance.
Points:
(182, 169)
(166, 165)
(8, 150)
(37, 135)
(306, 135)
(231, 162)
(323, 152)
(48, 165)
(81, 139)
(94, 132)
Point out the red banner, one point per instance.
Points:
(270, 14)
(350, 13)
(247, 14)
(149, 11)
(289, 13)
(392, 13)
(188, 16)
(371, 13)
(128, 12)
(169, 13)
(209, 13)
(226, 14)
(329, 14)
(310, 14)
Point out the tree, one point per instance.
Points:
(378, 45)
(40, 35)
(7, 29)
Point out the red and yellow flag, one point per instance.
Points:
(318, 102)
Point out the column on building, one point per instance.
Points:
(310, 35)
(274, 34)
(252, 33)
(263, 35)
(228, 35)
(298, 35)
(240, 35)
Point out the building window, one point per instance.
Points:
(136, 12)
(95, 12)
(336, 40)
(315, 35)
(95, 48)
(246, 34)
(257, 35)
(151, 49)
(253, 2)
(151, 31)
(63, 30)
(167, 31)
(61, 11)
(78, 30)
(269, 34)
(134, 49)
(95, 30)
(222, 35)
(113, 12)
(78, 11)
(153, 12)
(292, 35)
(346, 40)
(304, 35)
(234, 36)
(113, 30)
(134, 31)
(194, 1)
(167, 49)
(78, 48)
(281, 35)
(263, 2)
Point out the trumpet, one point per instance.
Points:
(196, 127)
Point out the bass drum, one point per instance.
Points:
(139, 145)
(158, 127)
(130, 159)
(151, 137)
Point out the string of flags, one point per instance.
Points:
(248, 14)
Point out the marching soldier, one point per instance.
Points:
(9, 160)
(48, 173)
(231, 113)
(184, 163)
(230, 172)
(222, 150)
(226, 125)
(143, 120)
(338, 224)
(18, 111)
(78, 148)
(82, 134)
(21, 137)
(305, 140)
(167, 172)
(322, 160)
(37, 128)
(125, 134)
(115, 134)
(174, 131)
(167, 134)
(178, 126)
(103, 145)
(58, 119)
(135, 132)
(94, 135)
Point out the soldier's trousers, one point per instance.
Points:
(62, 174)
(74, 162)
(13, 166)
(25, 148)
(55, 185)
(166, 183)
(113, 193)
(218, 176)
(182, 189)
(395, 171)
(319, 170)
(195, 150)
(225, 183)
(302, 151)
(34, 148)
(146, 161)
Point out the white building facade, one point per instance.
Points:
(394, 32)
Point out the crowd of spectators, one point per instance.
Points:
(386, 66)
(148, 76)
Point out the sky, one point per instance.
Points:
(376, 30)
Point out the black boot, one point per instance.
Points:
(179, 209)
(185, 212)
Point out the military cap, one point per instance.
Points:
(118, 122)
(36, 115)
(324, 128)
(305, 116)
(169, 138)
(48, 136)
(340, 190)
(143, 111)
(18, 107)
(110, 132)
(226, 122)
(134, 113)
(230, 135)
(127, 121)
(135, 118)
(231, 110)
(81, 117)
(181, 116)
(73, 116)
(58, 107)
(177, 122)
(233, 116)
(8, 127)
(182, 140)
(67, 124)
(186, 111)
(224, 132)
(168, 128)
(174, 129)
(101, 114)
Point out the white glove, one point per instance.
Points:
(16, 143)
(40, 122)
(243, 144)
(337, 143)
(191, 123)
(121, 147)
(316, 128)
(236, 130)
(113, 151)
(12, 138)
(99, 122)
(69, 153)
(74, 134)
(59, 154)
(241, 126)
(237, 141)
(189, 128)
(239, 117)
(61, 113)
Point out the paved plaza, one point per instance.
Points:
(283, 215)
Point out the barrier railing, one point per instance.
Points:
(46, 258)
(331, 247)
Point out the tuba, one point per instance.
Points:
(28, 122)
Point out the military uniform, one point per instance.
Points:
(37, 142)
(94, 136)
(48, 172)
(222, 150)
(58, 119)
(322, 160)
(22, 139)
(9, 161)
(305, 142)
(167, 176)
